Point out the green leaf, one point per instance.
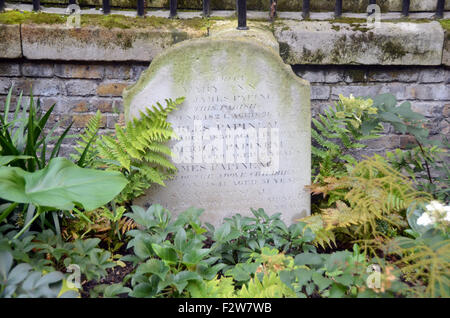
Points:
(167, 254)
(308, 259)
(142, 249)
(194, 256)
(321, 281)
(113, 290)
(4, 160)
(6, 261)
(345, 279)
(61, 185)
(337, 291)
(220, 235)
(155, 267)
(180, 240)
(242, 271)
(182, 278)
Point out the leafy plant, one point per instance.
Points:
(22, 282)
(170, 254)
(239, 236)
(109, 291)
(138, 150)
(374, 192)
(338, 132)
(424, 261)
(86, 143)
(24, 140)
(60, 185)
(109, 226)
(426, 166)
(260, 275)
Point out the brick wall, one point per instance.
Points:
(80, 89)
(427, 88)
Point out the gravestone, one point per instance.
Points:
(244, 127)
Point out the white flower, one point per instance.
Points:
(447, 217)
(425, 220)
(435, 206)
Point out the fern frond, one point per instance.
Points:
(139, 149)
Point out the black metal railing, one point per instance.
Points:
(338, 9)
(106, 6)
(305, 9)
(241, 8)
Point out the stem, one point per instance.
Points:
(426, 162)
(8, 210)
(28, 224)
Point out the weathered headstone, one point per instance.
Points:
(244, 126)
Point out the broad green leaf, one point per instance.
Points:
(4, 160)
(167, 254)
(180, 241)
(308, 259)
(6, 261)
(182, 278)
(321, 281)
(194, 256)
(155, 267)
(337, 291)
(220, 235)
(61, 185)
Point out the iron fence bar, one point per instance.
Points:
(36, 5)
(338, 9)
(405, 7)
(173, 8)
(242, 15)
(372, 2)
(273, 9)
(140, 8)
(106, 7)
(2, 5)
(72, 1)
(440, 9)
(305, 9)
(206, 8)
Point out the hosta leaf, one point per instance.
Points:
(61, 185)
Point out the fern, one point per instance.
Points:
(138, 149)
(86, 148)
(425, 263)
(371, 192)
(337, 132)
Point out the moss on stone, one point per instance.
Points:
(347, 20)
(17, 17)
(356, 75)
(313, 57)
(392, 50)
(107, 21)
(445, 24)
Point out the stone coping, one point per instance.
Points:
(283, 5)
(337, 42)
